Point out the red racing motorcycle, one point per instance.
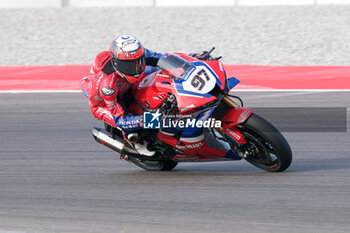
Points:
(190, 116)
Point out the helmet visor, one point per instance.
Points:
(131, 67)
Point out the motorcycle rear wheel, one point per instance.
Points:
(163, 165)
(266, 147)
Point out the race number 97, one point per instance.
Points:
(198, 81)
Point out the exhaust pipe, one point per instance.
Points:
(118, 144)
(106, 139)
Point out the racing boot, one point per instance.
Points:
(141, 147)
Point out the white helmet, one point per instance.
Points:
(128, 57)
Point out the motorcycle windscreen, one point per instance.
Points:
(174, 65)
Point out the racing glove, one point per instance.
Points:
(128, 123)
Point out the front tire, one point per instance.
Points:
(266, 147)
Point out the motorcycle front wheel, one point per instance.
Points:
(266, 147)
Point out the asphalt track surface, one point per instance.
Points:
(55, 178)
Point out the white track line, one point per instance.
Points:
(273, 93)
(232, 91)
(40, 91)
(290, 90)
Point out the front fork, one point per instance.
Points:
(236, 115)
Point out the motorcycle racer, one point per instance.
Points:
(114, 72)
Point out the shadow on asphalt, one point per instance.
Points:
(240, 169)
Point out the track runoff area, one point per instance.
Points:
(41, 79)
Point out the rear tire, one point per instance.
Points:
(149, 165)
(270, 150)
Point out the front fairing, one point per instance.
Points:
(200, 85)
(197, 85)
(210, 95)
